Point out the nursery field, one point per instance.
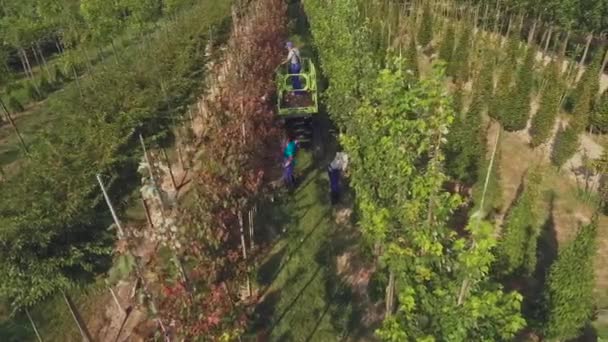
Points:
(144, 189)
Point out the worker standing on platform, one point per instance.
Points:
(294, 65)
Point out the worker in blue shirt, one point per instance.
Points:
(289, 161)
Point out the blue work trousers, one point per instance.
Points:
(295, 80)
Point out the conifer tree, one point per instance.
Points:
(425, 33)
(568, 296)
(565, 146)
(567, 140)
(589, 81)
(517, 107)
(544, 120)
(502, 93)
(447, 45)
(484, 86)
(466, 145)
(517, 247)
(411, 62)
(599, 116)
(459, 65)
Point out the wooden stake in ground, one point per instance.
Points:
(390, 294)
(27, 312)
(12, 123)
(121, 232)
(83, 332)
(244, 248)
(170, 168)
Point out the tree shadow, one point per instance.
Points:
(546, 254)
(261, 314)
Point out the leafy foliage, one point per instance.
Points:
(425, 32)
(345, 52)
(599, 115)
(567, 140)
(568, 297)
(589, 85)
(517, 246)
(502, 97)
(54, 229)
(447, 46)
(544, 120)
(515, 115)
(412, 58)
(466, 145)
(459, 64)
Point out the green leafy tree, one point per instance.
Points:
(565, 145)
(14, 104)
(544, 120)
(599, 116)
(567, 140)
(517, 246)
(502, 95)
(589, 85)
(568, 297)
(412, 58)
(345, 52)
(447, 45)
(517, 112)
(459, 64)
(425, 33)
(466, 143)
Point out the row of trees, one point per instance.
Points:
(238, 156)
(397, 129)
(517, 249)
(54, 225)
(394, 128)
(32, 30)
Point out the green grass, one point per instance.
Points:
(52, 317)
(303, 299)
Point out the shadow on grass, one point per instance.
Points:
(546, 250)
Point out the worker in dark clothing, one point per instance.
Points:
(334, 171)
(294, 65)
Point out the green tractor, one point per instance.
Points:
(299, 108)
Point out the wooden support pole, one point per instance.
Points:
(27, 312)
(121, 232)
(83, 332)
(147, 210)
(168, 161)
(581, 63)
(14, 126)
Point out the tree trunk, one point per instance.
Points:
(168, 161)
(581, 63)
(27, 63)
(601, 73)
(564, 47)
(44, 63)
(548, 39)
(58, 46)
(26, 70)
(12, 123)
(390, 294)
(532, 33)
(35, 53)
